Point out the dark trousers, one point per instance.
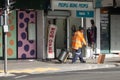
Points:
(77, 53)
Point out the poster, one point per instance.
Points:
(104, 32)
(51, 40)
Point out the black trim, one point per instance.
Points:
(36, 32)
(16, 34)
(114, 10)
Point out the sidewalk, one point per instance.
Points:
(36, 66)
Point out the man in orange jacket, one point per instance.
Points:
(78, 41)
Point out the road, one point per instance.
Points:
(98, 74)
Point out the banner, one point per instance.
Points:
(51, 39)
(71, 5)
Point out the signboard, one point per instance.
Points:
(104, 32)
(5, 28)
(103, 3)
(32, 4)
(71, 5)
(51, 39)
(85, 14)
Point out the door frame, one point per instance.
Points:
(68, 26)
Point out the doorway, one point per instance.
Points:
(61, 33)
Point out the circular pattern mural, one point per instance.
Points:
(26, 48)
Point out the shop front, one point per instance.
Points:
(64, 16)
(109, 27)
(60, 41)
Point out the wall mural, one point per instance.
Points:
(11, 36)
(26, 48)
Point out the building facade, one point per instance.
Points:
(27, 37)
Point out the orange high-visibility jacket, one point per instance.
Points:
(78, 40)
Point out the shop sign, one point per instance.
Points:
(85, 14)
(5, 28)
(103, 3)
(51, 39)
(71, 5)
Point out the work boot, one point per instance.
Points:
(83, 61)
